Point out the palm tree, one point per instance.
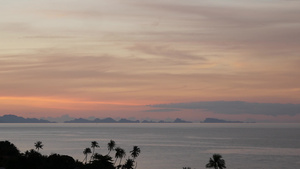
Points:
(135, 153)
(94, 144)
(120, 153)
(86, 152)
(129, 164)
(38, 145)
(216, 162)
(117, 153)
(110, 146)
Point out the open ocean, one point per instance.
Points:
(170, 146)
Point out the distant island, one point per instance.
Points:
(111, 120)
(106, 120)
(17, 119)
(214, 120)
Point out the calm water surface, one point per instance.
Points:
(170, 146)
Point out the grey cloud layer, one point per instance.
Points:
(199, 21)
(237, 107)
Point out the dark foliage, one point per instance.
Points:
(129, 164)
(8, 154)
(8, 149)
(60, 162)
(11, 158)
(103, 162)
(216, 162)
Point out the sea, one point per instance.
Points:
(170, 145)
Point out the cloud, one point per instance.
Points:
(53, 73)
(233, 22)
(166, 52)
(67, 74)
(151, 51)
(237, 107)
(162, 110)
(15, 27)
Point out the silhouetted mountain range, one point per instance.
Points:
(97, 120)
(17, 119)
(181, 121)
(110, 120)
(178, 120)
(213, 120)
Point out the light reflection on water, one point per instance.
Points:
(170, 146)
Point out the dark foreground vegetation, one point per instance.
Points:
(12, 158)
(215, 162)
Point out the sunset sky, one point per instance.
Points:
(158, 59)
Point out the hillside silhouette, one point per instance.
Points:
(17, 119)
(12, 158)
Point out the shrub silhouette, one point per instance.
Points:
(8, 149)
(8, 154)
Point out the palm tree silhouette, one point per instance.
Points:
(110, 146)
(120, 153)
(216, 162)
(38, 145)
(135, 153)
(86, 152)
(129, 164)
(94, 144)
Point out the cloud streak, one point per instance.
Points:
(237, 107)
(162, 110)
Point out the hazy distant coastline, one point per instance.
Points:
(19, 119)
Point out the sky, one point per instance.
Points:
(158, 59)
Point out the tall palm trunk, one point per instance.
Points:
(120, 161)
(85, 159)
(92, 154)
